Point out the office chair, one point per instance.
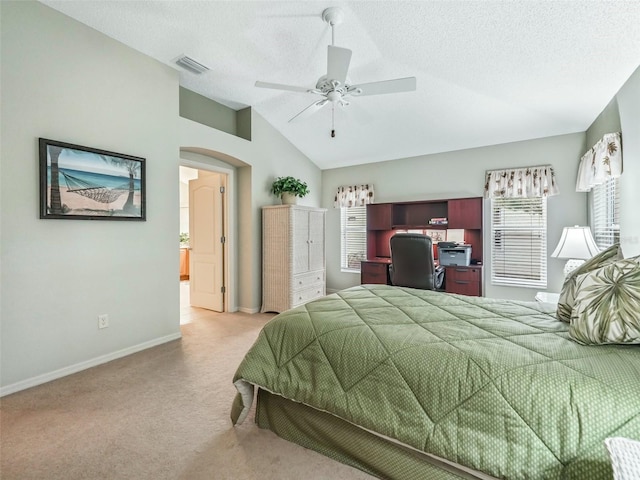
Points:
(412, 263)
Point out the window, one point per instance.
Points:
(605, 213)
(353, 229)
(519, 242)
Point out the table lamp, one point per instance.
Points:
(577, 245)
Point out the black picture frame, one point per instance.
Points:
(92, 184)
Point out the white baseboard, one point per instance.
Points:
(63, 372)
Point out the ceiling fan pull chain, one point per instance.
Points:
(333, 126)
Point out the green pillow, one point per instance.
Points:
(607, 307)
(568, 293)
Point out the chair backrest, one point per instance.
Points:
(412, 263)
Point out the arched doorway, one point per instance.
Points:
(207, 206)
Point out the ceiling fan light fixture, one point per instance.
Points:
(334, 96)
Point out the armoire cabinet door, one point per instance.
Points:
(300, 241)
(316, 241)
(308, 241)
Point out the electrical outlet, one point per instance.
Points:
(103, 321)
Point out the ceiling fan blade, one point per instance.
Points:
(278, 86)
(386, 86)
(310, 110)
(338, 60)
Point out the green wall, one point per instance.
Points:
(243, 123)
(201, 109)
(622, 114)
(628, 99)
(607, 122)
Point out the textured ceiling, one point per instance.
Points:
(488, 72)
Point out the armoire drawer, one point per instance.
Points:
(306, 280)
(303, 296)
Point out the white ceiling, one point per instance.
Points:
(488, 72)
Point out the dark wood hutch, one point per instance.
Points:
(384, 219)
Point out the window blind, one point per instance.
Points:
(605, 208)
(519, 242)
(353, 229)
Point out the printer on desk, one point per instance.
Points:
(452, 254)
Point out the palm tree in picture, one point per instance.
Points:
(133, 168)
(56, 204)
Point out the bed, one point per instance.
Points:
(405, 383)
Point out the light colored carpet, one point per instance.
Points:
(158, 414)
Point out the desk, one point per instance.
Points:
(460, 280)
(547, 297)
(375, 271)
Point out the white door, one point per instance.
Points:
(206, 272)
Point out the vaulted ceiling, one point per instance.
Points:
(487, 72)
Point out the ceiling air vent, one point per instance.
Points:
(190, 64)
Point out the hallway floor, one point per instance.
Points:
(188, 313)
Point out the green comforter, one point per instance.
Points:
(494, 385)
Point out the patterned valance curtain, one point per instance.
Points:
(353, 196)
(602, 162)
(526, 182)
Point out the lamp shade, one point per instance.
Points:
(576, 242)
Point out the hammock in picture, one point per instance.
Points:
(94, 192)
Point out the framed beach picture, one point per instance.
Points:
(82, 183)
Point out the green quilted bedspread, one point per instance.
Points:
(494, 385)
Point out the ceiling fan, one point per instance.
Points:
(335, 87)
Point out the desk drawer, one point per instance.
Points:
(464, 281)
(371, 272)
(463, 287)
(469, 274)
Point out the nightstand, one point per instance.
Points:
(546, 297)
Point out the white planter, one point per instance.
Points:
(288, 198)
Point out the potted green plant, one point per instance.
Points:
(184, 239)
(288, 189)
